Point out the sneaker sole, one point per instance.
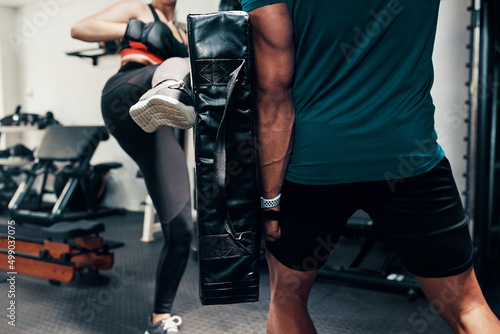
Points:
(161, 110)
(146, 332)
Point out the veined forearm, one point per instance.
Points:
(274, 52)
(274, 142)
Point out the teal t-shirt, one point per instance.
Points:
(362, 89)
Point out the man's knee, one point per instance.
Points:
(288, 284)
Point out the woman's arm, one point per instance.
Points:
(109, 24)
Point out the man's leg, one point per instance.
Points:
(311, 220)
(459, 301)
(424, 220)
(290, 290)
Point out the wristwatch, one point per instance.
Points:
(270, 203)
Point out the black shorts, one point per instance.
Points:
(421, 217)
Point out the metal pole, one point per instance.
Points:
(482, 223)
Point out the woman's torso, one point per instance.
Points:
(138, 53)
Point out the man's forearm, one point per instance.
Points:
(274, 62)
(274, 139)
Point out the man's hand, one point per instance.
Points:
(271, 230)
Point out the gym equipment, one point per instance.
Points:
(106, 48)
(227, 196)
(483, 156)
(77, 199)
(11, 161)
(97, 184)
(68, 248)
(364, 244)
(19, 118)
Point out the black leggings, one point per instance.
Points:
(163, 164)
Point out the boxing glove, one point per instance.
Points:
(156, 36)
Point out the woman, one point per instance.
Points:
(149, 37)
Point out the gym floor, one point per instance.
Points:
(119, 300)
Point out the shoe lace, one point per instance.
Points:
(171, 323)
(176, 84)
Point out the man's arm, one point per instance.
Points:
(274, 51)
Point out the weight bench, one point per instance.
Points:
(75, 146)
(68, 248)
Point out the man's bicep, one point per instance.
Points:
(274, 50)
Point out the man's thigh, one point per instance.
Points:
(424, 220)
(312, 221)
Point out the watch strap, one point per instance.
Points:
(270, 203)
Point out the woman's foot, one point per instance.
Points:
(169, 325)
(169, 103)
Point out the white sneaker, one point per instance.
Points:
(170, 325)
(168, 103)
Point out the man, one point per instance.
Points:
(345, 122)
